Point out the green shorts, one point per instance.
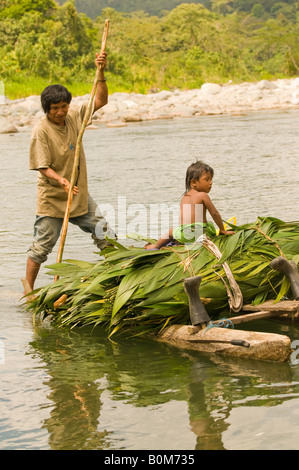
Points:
(190, 233)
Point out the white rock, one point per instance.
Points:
(160, 114)
(266, 84)
(29, 105)
(295, 83)
(110, 108)
(295, 97)
(163, 95)
(9, 129)
(182, 111)
(131, 116)
(161, 105)
(211, 98)
(130, 103)
(3, 122)
(211, 88)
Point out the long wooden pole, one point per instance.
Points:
(88, 114)
(252, 316)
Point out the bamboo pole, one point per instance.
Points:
(88, 114)
(251, 317)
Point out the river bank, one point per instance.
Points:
(123, 108)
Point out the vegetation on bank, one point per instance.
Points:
(42, 42)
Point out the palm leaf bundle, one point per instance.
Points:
(137, 291)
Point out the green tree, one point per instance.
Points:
(187, 26)
(258, 10)
(16, 10)
(182, 49)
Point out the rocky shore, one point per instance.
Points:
(123, 108)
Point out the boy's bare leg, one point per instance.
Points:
(167, 238)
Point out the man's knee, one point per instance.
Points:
(46, 234)
(38, 253)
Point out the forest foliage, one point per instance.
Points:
(43, 42)
(260, 8)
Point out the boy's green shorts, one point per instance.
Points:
(189, 233)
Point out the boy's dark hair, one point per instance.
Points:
(54, 94)
(195, 171)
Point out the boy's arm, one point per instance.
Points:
(215, 214)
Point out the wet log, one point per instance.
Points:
(247, 317)
(229, 342)
(285, 309)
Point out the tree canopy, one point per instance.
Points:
(265, 8)
(42, 42)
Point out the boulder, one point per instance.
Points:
(266, 84)
(295, 97)
(30, 105)
(9, 129)
(183, 111)
(132, 116)
(211, 88)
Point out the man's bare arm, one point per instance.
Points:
(101, 97)
(64, 183)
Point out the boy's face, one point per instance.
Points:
(204, 184)
(58, 112)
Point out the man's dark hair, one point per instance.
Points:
(54, 94)
(195, 171)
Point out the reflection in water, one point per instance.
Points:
(89, 374)
(81, 365)
(73, 389)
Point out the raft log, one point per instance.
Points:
(262, 346)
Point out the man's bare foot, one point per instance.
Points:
(27, 290)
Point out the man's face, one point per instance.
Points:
(58, 112)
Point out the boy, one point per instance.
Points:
(193, 208)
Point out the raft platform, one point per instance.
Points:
(229, 342)
(215, 337)
(238, 343)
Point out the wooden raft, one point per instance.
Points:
(262, 346)
(285, 309)
(224, 341)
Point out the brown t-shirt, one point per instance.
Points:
(53, 146)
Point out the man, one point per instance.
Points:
(52, 151)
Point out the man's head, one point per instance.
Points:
(195, 172)
(55, 100)
(54, 94)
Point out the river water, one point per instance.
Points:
(74, 389)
